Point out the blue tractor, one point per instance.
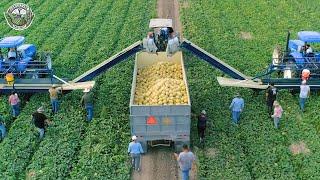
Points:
(22, 60)
(298, 55)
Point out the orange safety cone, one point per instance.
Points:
(151, 120)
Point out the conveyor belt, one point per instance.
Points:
(214, 61)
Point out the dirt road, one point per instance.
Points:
(158, 164)
(170, 9)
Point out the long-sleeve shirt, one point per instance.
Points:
(278, 112)
(13, 99)
(237, 104)
(86, 99)
(135, 148)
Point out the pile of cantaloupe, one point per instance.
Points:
(161, 84)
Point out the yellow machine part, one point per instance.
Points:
(10, 78)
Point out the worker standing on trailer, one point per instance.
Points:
(305, 75)
(202, 124)
(135, 150)
(14, 102)
(40, 120)
(236, 107)
(87, 102)
(12, 54)
(2, 128)
(149, 43)
(271, 96)
(185, 160)
(53, 91)
(277, 113)
(304, 94)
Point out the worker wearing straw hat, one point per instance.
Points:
(53, 91)
(277, 113)
(304, 94)
(236, 107)
(87, 102)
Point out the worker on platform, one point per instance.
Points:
(173, 44)
(304, 94)
(236, 107)
(185, 159)
(305, 75)
(271, 96)
(308, 49)
(2, 128)
(149, 43)
(40, 121)
(87, 102)
(277, 113)
(12, 54)
(53, 92)
(202, 124)
(135, 150)
(14, 102)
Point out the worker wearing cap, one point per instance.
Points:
(87, 102)
(202, 124)
(236, 107)
(135, 150)
(53, 92)
(40, 120)
(304, 94)
(2, 128)
(14, 102)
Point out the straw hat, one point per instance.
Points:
(86, 90)
(134, 138)
(304, 82)
(203, 112)
(276, 103)
(40, 109)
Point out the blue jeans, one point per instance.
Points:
(135, 161)
(89, 109)
(235, 116)
(41, 132)
(185, 174)
(3, 131)
(302, 102)
(54, 104)
(15, 110)
(276, 122)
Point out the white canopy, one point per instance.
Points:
(156, 23)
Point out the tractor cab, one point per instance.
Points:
(302, 50)
(162, 36)
(20, 59)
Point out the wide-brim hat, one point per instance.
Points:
(86, 90)
(134, 138)
(276, 103)
(203, 112)
(304, 82)
(40, 109)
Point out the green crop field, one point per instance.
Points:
(82, 33)
(243, 34)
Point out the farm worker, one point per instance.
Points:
(86, 101)
(304, 94)
(185, 160)
(2, 128)
(12, 55)
(308, 49)
(135, 150)
(173, 44)
(271, 96)
(305, 74)
(14, 102)
(149, 43)
(53, 91)
(40, 120)
(236, 107)
(277, 113)
(202, 124)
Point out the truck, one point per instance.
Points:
(159, 124)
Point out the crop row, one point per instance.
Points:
(57, 151)
(106, 148)
(243, 34)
